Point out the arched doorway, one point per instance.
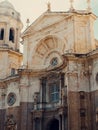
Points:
(53, 125)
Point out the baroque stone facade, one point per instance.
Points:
(56, 88)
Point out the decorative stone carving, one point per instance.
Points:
(53, 76)
(10, 123)
(36, 95)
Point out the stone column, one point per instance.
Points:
(62, 87)
(6, 34)
(25, 50)
(43, 91)
(33, 124)
(63, 122)
(60, 122)
(37, 124)
(41, 123)
(17, 38)
(60, 92)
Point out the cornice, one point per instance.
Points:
(51, 13)
(40, 72)
(6, 81)
(76, 56)
(9, 50)
(93, 54)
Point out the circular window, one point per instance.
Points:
(54, 61)
(11, 99)
(97, 77)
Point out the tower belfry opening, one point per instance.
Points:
(11, 35)
(1, 34)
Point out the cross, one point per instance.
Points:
(89, 6)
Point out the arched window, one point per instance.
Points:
(11, 35)
(2, 34)
(53, 124)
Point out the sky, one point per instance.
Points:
(32, 9)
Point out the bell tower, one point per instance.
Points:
(83, 29)
(10, 29)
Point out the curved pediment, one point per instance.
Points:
(48, 48)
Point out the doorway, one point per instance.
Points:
(53, 125)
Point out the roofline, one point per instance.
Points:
(78, 12)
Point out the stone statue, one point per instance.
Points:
(48, 6)
(10, 123)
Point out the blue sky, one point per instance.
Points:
(32, 9)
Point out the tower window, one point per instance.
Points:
(11, 35)
(13, 71)
(54, 92)
(2, 34)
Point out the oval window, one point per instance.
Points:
(11, 99)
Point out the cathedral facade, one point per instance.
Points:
(53, 85)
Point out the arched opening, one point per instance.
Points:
(11, 35)
(46, 49)
(53, 125)
(12, 71)
(2, 34)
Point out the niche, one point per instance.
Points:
(2, 34)
(11, 35)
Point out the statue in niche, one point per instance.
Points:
(10, 123)
(35, 97)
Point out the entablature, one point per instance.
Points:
(6, 81)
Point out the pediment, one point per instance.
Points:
(44, 21)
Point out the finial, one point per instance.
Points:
(28, 21)
(89, 5)
(71, 5)
(48, 6)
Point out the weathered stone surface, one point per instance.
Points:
(47, 93)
